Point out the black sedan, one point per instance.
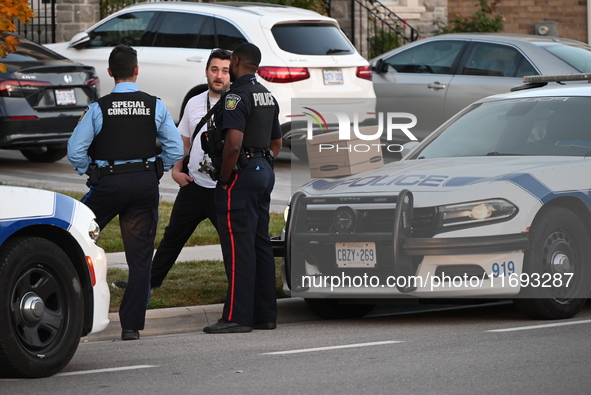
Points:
(42, 97)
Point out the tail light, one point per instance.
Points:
(282, 75)
(20, 88)
(364, 72)
(94, 82)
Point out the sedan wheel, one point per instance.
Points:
(45, 154)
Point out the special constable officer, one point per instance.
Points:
(253, 137)
(115, 144)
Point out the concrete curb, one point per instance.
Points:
(194, 318)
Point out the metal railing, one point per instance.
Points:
(376, 29)
(40, 29)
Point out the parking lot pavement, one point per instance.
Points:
(194, 318)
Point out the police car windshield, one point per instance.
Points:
(555, 126)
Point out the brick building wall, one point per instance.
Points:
(74, 16)
(521, 16)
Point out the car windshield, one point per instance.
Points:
(555, 126)
(311, 39)
(576, 56)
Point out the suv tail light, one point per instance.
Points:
(364, 72)
(282, 75)
(20, 88)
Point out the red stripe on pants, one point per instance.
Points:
(232, 248)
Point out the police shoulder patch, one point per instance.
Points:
(232, 101)
(83, 114)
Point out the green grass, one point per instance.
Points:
(188, 283)
(192, 283)
(204, 234)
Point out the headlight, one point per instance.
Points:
(286, 214)
(475, 212)
(94, 231)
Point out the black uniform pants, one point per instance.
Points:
(134, 197)
(243, 225)
(192, 205)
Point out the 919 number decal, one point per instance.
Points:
(503, 269)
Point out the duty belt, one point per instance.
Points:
(127, 168)
(255, 153)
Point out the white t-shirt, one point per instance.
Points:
(195, 109)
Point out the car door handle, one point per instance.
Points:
(196, 59)
(436, 85)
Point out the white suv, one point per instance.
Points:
(305, 54)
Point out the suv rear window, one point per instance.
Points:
(311, 39)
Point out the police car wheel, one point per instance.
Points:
(44, 154)
(556, 266)
(335, 309)
(41, 308)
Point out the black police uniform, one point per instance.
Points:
(243, 208)
(128, 191)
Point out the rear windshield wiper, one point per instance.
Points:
(336, 50)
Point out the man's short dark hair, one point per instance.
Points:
(217, 53)
(122, 62)
(249, 53)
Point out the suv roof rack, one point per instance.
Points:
(537, 81)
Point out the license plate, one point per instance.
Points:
(65, 97)
(356, 254)
(333, 77)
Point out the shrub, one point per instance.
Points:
(483, 20)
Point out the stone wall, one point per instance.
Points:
(521, 16)
(74, 16)
(358, 26)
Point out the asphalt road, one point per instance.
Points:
(486, 350)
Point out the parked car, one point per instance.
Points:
(304, 54)
(494, 204)
(436, 77)
(42, 97)
(53, 280)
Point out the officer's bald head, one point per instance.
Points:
(249, 54)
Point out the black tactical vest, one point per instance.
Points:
(259, 124)
(129, 127)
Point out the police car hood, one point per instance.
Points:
(447, 175)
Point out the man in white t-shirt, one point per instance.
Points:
(195, 201)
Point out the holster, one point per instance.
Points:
(159, 167)
(93, 174)
(270, 156)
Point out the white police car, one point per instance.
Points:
(53, 287)
(496, 203)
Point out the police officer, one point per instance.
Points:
(242, 196)
(115, 143)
